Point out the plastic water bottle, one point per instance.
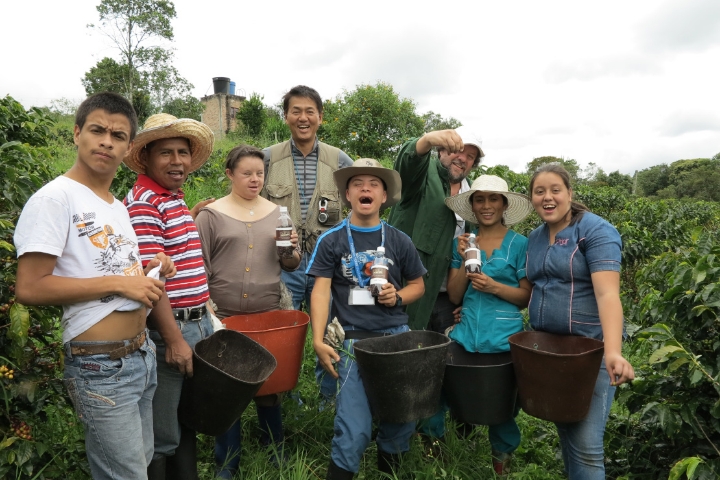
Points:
(472, 256)
(379, 272)
(283, 231)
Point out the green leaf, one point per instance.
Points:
(7, 442)
(40, 448)
(677, 363)
(7, 246)
(696, 376)
(715, 411)
(660, 355)
(24, 452)
(19, 324)
(687, 466)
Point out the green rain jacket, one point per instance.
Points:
(424, 217)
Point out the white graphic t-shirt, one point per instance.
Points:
(90, 237)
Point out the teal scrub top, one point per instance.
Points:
(487, 320)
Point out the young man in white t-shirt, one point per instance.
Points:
(77, 248)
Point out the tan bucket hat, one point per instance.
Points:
(369, 166)
(519, 205)
(164, 125)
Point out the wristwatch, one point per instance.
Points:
(398, 300)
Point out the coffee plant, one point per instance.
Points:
(39, 437)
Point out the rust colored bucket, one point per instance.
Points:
(402, 374)
(556, 374)
(283, 333)
(228, 370)
(479, 387)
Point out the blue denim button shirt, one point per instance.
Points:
(563, 299)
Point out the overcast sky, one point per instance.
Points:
(623, 84)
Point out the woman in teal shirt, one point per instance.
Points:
(492, 299)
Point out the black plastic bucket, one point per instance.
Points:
(556, 374)
(228, 370)
(221, 85)
(479, 388)
(402, 374)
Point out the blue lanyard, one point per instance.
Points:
(355, 265)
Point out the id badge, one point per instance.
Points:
(361, 296)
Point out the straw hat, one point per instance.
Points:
(369, 166)
(519, 205)
(164, 125)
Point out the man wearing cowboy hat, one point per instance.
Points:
(77, 248)
(165, 152)
(340, 264)
(421, 212)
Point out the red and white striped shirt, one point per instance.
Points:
(162, 223)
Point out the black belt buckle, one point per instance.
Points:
(185, 314)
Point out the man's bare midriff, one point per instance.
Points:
(116, 326)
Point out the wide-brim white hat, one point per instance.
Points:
(369, 166)
(519, 205)
(164, 125)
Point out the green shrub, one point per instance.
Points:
(38, 441)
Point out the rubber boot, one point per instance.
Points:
(388, 462)
(183, 465)
(336, 473)
(156, 469)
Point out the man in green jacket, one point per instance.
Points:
(423, 215)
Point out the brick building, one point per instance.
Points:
(220, 111)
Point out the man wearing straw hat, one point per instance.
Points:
(165, 152)
(421, 212)
(340, 264)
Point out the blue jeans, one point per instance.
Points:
(113, 399)
(301, 285)
(228, 445)
(170, 381)
(353, 418)
(582, 442)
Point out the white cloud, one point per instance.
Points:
(681, 25)
(683, 122)
(586, 69)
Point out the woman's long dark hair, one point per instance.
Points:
(576, 209)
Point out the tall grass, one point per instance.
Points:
(309, 431)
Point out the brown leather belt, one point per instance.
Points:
(114, 350)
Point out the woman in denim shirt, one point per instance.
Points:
(574, 266)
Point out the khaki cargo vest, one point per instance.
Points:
(281, 188)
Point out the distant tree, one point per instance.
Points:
(64, 106)
(134, 28)
(652, 179)
(253, 114)
(188, 107)
(698, 179)
(517, 182)
(570, 165)
(370, 121)
(620, 180)
(107, 76)
(434, 121)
